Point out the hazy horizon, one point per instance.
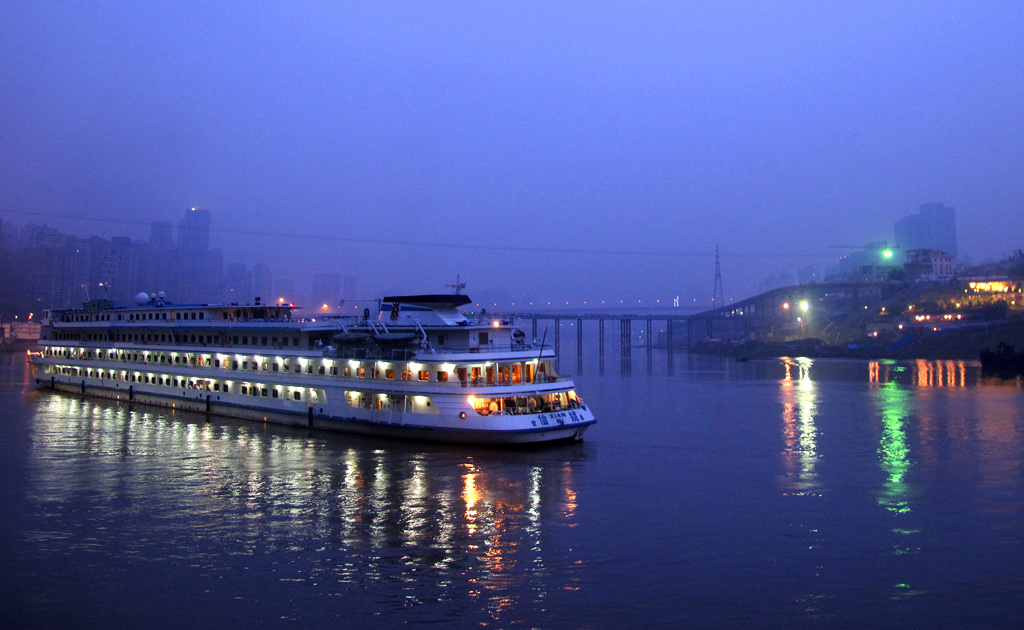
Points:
(552, 151)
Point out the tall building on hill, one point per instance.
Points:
(161, 234)
(194, 231)
(199, 267)
(113, 269)
(158, 265)
(55, 273)
(934, 227)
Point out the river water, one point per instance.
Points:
(782, 493)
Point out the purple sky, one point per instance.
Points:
(324, 135)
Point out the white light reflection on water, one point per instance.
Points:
(799, 433)
(228, 497)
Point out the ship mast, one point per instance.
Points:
(459, 285)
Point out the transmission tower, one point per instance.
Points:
(718, 299)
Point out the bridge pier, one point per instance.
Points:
(558, 342)
(579, 345)
(625, 343)
(671, 349)
(650, 345)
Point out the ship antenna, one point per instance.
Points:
(540, 355)
(458, 286)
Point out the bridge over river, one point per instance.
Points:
(674, 318)
(780, 312)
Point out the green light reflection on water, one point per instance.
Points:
(895, 404)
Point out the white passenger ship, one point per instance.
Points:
(418, 368)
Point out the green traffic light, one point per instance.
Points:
(887, 253)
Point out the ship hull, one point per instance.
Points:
(552, 428)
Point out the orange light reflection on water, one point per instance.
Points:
(941, 373)
(471, 496)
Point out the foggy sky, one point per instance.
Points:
(523, 145)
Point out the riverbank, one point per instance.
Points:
(956, 344)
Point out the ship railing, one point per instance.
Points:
(210, 371)
(488, 347)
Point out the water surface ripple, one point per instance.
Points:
(785, 493)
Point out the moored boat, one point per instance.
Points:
(418, 368)
(1002, 359)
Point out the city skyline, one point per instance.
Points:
(120, 267)
(553, 150)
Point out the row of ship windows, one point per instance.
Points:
(134, 317)
(183, 383)
(149, 316)
(353, 398)
(545, 403)
(244, 340)
(503, 375)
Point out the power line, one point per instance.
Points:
(490, 247)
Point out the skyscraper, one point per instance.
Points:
(934, 227)
(199, 267)
(194, 231)
(161, 234)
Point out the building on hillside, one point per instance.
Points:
(930, 265)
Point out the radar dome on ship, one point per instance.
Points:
(142, 298)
